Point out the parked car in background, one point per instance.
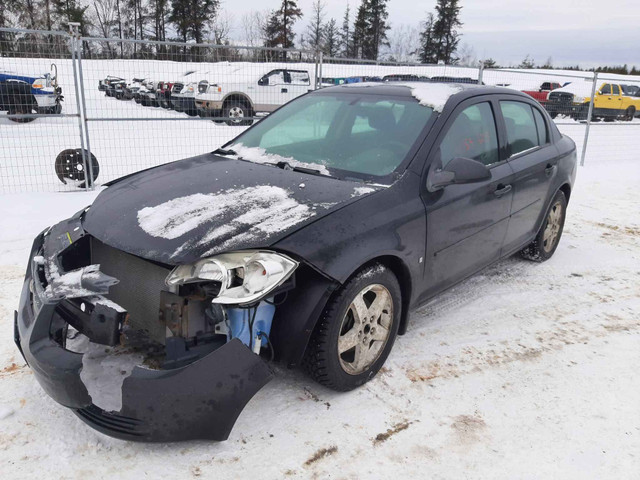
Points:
(405, 77)
(542, 93)
(163, 94)
(467, 80)
(132, 88)
(631, 90)
(23, 94)
(307, 239)
(240, 94)
(610, 102)
(103, 85)
(183, 93)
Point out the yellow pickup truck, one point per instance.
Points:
(612, 101)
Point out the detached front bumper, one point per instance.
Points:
(200, 400)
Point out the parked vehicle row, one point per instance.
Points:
(23, 94)
(235, 94)
(612, 101)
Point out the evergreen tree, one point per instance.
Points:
(345, 33)
(331, 34)
(358, 35)
(181, 17)
(315, 29)
(428, 52)
(528, 62)
(440, 37)
(278, 30)
(376, 28)
(490, 63)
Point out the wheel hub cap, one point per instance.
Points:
(551, 231)
(365, 329)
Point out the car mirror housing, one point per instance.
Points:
(460, 170)
(263, 81)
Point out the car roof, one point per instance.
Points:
(404, 89)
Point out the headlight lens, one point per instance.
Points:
(578, 99)
(244, 277)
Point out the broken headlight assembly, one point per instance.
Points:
(245, 277)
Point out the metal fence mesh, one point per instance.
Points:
(133, 104)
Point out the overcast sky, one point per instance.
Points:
(587, 32)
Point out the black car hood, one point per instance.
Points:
(190, 209)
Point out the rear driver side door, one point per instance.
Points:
(467, 223)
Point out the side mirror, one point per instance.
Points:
(263, 81)
(458, 171)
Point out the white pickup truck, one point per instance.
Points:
(237, 93)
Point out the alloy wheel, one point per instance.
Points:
(365, 329)
(552, 229)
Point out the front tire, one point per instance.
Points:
(357, 330)
(630, 113)
(548, 238)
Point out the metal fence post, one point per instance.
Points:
(315, 77)
(589, 114)
(320, 69)
(480, 72)
(74, 29)
(83, 114)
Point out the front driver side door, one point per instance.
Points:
(466, 224)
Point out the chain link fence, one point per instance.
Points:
(82, 108)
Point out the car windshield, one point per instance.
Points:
(357, 135)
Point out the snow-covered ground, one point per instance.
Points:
(125, 145)
(525, 371)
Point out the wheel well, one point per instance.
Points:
(401, 272)
(234, 97)
(566, 189)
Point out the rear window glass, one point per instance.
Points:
(522, 133)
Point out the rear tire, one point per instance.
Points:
(20, 110)
(239, 113)
(630, 113)
(548, 238)
(357, 330)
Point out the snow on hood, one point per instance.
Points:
(260, 155)
(258, 211)
(434, 95)
(579, 87)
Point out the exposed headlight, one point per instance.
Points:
(244, 277)
(39, 83)
(578, 99)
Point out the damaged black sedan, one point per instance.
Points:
(154, 313)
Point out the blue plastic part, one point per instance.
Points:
(239, 319)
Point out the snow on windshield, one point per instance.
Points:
(250, 213)
(260, 155)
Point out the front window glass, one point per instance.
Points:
(615, 89)
(522, 132)
(472, 135)
(366, 135)
(606, 89)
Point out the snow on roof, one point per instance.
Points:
(434, 95)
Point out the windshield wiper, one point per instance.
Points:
(310, 171)
(226, 152)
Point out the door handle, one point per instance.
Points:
(283, 90)
(502, 190)
(549, 170)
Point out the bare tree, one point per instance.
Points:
(403, 42)
(106, 15)
(467, 56)
(252, 25)
(221, 27)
